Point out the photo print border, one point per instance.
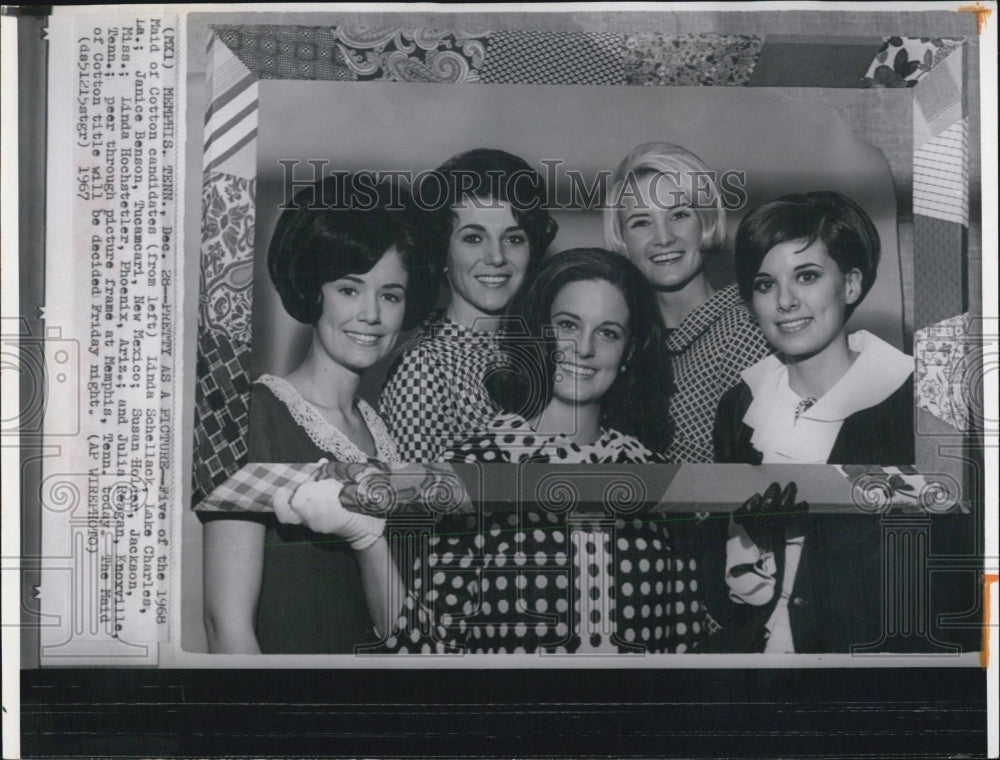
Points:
(932, 180)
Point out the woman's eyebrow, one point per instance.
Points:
(639, 212)
(565, 314)
(394, 285)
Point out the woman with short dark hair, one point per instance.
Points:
(778, 581)
(804, 263)
(357, 272)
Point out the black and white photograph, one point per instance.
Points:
(565, 363)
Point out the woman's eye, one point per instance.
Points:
(565, 325)
(678, 215)
(808, 276)
(392, 298)
(762, 286)
(637, 223)
(472, 238)
(347, 290)
(516, 239)
(610, 334)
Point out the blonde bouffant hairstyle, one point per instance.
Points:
(695, 178)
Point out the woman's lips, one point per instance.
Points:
(493, 280)
(363, 339)
(577, 371)
(793, 325)
(667, 258)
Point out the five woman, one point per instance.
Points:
(596, 356)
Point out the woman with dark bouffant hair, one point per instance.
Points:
(358, 273)
(486, 210)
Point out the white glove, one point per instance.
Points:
(316, 504)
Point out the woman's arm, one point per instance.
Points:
(382, 585)
(234, 561)
(317, 506)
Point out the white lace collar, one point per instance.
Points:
(329, 437)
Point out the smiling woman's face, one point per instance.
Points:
(363, 313)
(488, 256)
(800, 297)
(591, 319)
(662, 232)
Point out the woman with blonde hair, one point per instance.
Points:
(666, 214)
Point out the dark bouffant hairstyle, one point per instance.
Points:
(835, 220)
(493, 175)
(343, 225)
(637, 402)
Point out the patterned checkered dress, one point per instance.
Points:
(434, 395)
(709, 349)
(498, 583)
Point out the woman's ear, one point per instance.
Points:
(852, 286)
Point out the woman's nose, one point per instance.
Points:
(787, 298)
(585, 345)
(495, 253)
(664, 232)
(369, 310)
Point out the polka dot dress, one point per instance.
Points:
(537, 581)
(509, 438)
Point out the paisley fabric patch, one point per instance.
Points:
(357, 53)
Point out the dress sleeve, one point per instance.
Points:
(418, 406)
(262, 444)
(730, 437)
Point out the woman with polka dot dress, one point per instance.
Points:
(581, 384)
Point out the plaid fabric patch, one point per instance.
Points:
(368, 487)
(253, 487)
(712, 346)
(222, 410)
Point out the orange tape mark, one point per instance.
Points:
(982, 13)
(984, 654)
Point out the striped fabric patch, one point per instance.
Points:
(231, 119)
(941, 175)
(594, 603)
